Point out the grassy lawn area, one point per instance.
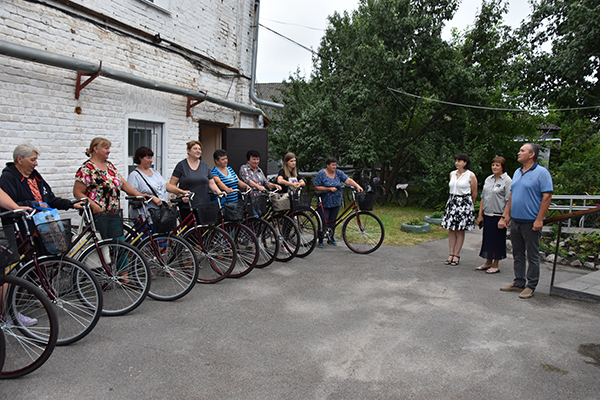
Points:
(393, 216)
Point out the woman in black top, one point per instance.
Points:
(288, 175)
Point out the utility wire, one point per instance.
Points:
(422, 97)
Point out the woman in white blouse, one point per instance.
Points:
(494, 197)
(459, 212)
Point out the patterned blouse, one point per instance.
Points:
(103, 187)
(247, 174)
(331, 199)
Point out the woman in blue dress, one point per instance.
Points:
(330, 180)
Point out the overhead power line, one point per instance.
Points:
(541, 110)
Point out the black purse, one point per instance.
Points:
(164, 218)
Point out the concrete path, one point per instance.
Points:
(397, 324)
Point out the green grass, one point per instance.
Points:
(393, 216)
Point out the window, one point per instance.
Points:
(149, 134)
(163, 5)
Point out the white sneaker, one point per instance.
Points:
(25, 320)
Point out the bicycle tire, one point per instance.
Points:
(363, 232)
(173, 266)
(27, 347)
(380, 195)
(268, 241)
(75, 294)
(289, 237)
(246, 244)
(215, 251)
(124, 278)
(308, 233)
(402, 197)
(314, 215)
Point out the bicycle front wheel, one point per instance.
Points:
(402, 197)
(29, 325)
(73, 291)
(122, 272)
(308, 233)
(380, 195)
(363, 232)
(173, 266)
(215, 251)
(289, 236)
(268, 241)
(247, 248)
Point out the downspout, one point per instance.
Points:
(254, 58)
(73, 64)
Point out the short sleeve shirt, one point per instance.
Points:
(194, 180)
(331, 199)
(103, 187)
(294, 179)
(230, 180)
(156, 181)
(247, 174)
(527, 191)
(495, 194)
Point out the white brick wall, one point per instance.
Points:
(37, 102)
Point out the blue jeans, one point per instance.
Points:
(526, 253)
(328, 214)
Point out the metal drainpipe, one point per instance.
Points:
(254, 57)
(56, 60)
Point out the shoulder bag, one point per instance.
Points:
(164, 217)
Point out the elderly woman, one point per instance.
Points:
(253, 175)
(225, 176)
(459, 212)
(149, 181)
(288, 175)
(330, 180)
(24, 184)
(194, 175)
(494, 197)
(99, 181)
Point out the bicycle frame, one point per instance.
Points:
(351, 209)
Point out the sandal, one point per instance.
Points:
(449, 260)
(484, 267)
(493, 270)
(455, 263)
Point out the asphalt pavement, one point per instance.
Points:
(396, 324)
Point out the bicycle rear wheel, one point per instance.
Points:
(122, 272)
(72, 289)
(308, 233)
(402, 197)
(363, 232)
(173, 266)
(268, 241)
(380, 195)
(289, 235)
(215, 251)
(29, 325)
(247, 248)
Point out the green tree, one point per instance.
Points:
(369, 99)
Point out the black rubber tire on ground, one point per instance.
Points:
(27, 348)
(289, 236)
(268, 241)
(75, 294)
(215, 251)
(247, 248)
(363, 232)
(308, 233)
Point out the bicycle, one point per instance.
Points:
(287, 231)
(172, 260)
(71, 287)
(214, 248)
(304, 216)
(244, 238)
(266, 235)
(121, 269)
(362, 231)
(399, 194)
(28, 342)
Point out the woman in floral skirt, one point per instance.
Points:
(459, 212)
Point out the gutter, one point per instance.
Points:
(89, 68)
(254, 57)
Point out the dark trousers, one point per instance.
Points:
(328, 214)
(526, 253)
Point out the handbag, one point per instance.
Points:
(280, 202)
(164, 218)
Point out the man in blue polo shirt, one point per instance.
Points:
(530, 195)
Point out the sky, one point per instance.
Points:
(305, 22)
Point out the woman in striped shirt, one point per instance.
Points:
(225, 177)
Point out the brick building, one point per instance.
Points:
(200, 46)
